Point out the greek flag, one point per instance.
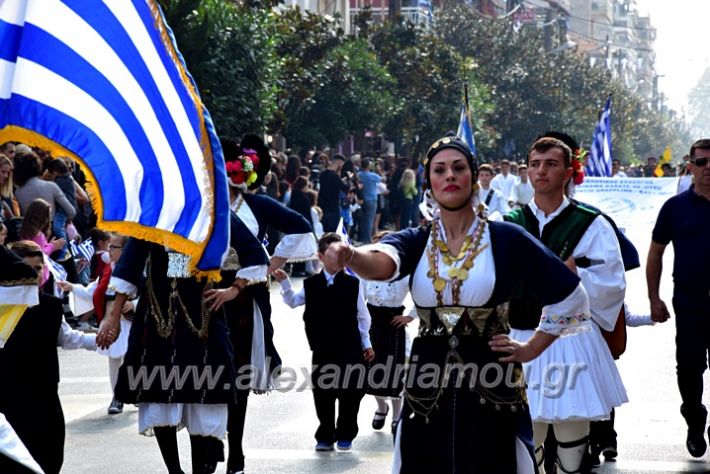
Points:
(84, 249)
(599, 163)
(465, 131)
(346, 238)
(103, 83)
(58, 272)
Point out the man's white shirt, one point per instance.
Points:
(504, 184)
(498, 202)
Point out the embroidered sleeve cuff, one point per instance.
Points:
(569, 316)
(297, 247)
(391, 252)
(122, 286)
(254, 274)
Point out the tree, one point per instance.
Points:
(429, 75)
(231, 52)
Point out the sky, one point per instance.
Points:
(682, 45)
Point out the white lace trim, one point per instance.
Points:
(253, 274)
(297, 247)
(122, 286)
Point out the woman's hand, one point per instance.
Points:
(109, 329)
(339, 254)
(275, 264)
(280, 275)
(517, 351)
(128, 306)
(401, 321)
(216, 298)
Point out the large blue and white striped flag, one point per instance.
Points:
(599, 163)
(465, 131)
(103, 83)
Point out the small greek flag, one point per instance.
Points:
(465, 131)
(102, 82)
(85, 249)
(58, 272)
(346, 238)
(599, 163)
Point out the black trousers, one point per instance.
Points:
(337, 385)
(348, 405)
(602, 434)
(235, 428)
(692, 311)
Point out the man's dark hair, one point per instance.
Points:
(547, 143)
(58, 166)
(339, 157)
(27, 166)
(702, 144)
(327, 239)
(365, 164)
(616, 161)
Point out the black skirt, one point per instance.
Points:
(385, 378)
(180, 368)
(466, 430)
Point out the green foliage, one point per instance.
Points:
(231, 52)
(430, 77)
(295, 73)
(534, 90)
(353, 94)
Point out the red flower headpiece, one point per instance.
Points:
(242, 171)
(578, 156)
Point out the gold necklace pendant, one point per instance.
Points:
(469, 251)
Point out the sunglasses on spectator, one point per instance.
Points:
(114, 247)
(700, 161)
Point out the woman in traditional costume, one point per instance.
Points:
(249, 315)
(465, 407)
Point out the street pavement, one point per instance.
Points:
(280, 425)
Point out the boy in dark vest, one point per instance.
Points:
(337, 327)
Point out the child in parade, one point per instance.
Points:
(339, 340)
(29, 370)
(98, 295)
(385, 303)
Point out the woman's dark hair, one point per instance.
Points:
(304, 171)
(97, 235)
(453, 142)
(27, 166)
(292, 166)
(300, 184)
(36, 219)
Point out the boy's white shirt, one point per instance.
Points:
(295, 298)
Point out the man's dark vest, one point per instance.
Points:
(331, 317)
(561, 235)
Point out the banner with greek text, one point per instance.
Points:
(631, 202)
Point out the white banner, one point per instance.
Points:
(631, 202)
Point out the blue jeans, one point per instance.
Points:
(59, 229)
(367, 219)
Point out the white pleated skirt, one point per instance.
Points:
(574, 379)
(199, 419)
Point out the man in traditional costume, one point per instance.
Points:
(586, 242)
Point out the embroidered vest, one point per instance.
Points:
(561, 235)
